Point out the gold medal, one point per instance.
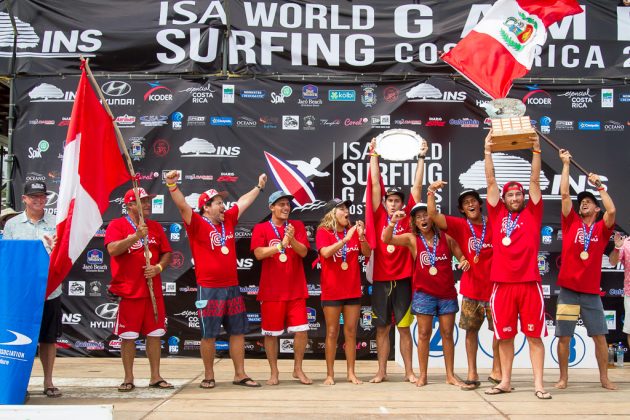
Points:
(506, 241)
(344, 266)
(433, 271)
(476, 259)
(283, 258)
(584, 255)
(391, 248)
(225, 250)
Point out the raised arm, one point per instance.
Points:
(248, 198)
(565, 157)
(365, 247)
(609, 207)
(614, 255)
(406, 239)
(178, 198)
(534, 178)
(493, 188)
(438, 218)
(416, 188)
(375, 172)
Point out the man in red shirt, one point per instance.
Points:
(474, 236)
(391, 289)
(584, 240)
(219, 301)
(517, 292)
(125, 238)
(281, 244)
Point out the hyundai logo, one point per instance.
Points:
(116, 88)
(107, 310)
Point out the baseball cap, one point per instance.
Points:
(511, 186)
(209, 195)
(414, 209)
(336, 202)
(464, 193)
(34, 188)
(277, 195)
(395, 191)
(586, 194)
(130, 196)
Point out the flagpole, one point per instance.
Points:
(555, 146)
(134, 181)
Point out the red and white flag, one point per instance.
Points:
(502, 46)
(92, 168)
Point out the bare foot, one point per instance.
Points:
(352, 378)
(273, 380)
(329, 380)
(301, 376)
(411, 378)
(561, 384)
(454, 380)
(422, 381)
(608, 385)
(378, 378)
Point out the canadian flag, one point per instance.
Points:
(92, 168)
(502, 46)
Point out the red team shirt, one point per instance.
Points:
(212, 267)
(475, 283)
(280, 281)
(575, 273)
(441, 285)
(338, 284)
(397, 265)
(519, 261)
(128, 268)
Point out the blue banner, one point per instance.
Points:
(23, 276)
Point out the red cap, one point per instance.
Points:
(209, 195)
(512, 186)
(130, 196)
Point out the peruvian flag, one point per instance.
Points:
(501, 47)
(92, 168)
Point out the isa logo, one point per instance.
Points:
(546, 234)
(95, 256)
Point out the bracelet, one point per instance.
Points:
(536, 151)
(260, 188)
(160, 267)
(430, 192)
(487, 153)
(422, 156)
(391, 226)
(174, 189)
(374, 154)
(171, 185)
(618, 248)
(602, 188)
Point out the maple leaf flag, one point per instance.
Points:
(92, 168)
(502, 46)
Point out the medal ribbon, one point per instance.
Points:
(395, 226)
(222, 235)
(432, 253)
(275, 229)
(510, 225)
(142, 240)
(344, 249)
(478, 244)
(587, 236)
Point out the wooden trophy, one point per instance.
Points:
(511, 130)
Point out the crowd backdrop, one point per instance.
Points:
(223, 91)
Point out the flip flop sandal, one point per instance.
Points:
(52, 392)
(161, 384)
(210, 384)
(126, 387)
(494, 381)
(243, 382)
(542, 395)
(496, 391)
(475, 385)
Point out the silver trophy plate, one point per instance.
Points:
(398, 144)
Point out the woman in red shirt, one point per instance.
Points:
(433, 285)
(340, 246)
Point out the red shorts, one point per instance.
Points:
(276, 315)
(135, 317)
(511, 301)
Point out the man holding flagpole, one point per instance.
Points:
(125, 238)
(391, 293)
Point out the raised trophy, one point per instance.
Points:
(398, 144)
(511, 129)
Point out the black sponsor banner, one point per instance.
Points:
(224, 133)
(270, 37)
